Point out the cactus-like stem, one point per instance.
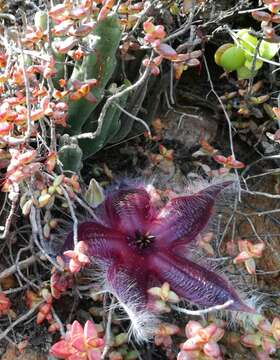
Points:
(99, 65)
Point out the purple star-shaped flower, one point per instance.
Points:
(135, 244)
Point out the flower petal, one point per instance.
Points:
(194, 283)
(183, 218)
(128, 287)
(102, 242)
(127, 209)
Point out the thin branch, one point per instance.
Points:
(22, 318)
(20, 265)
(111, 100)
(134, 117)
(108, 334)
(203, 311)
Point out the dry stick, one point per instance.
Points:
(73, 215)
(8, 17)
(10, 217)
(203, 311)
(227, 118)
(20, 265)
(113, 98)
(22, 318)
(134, 117)
(31, 283)
(35, 233)
(57, 319)
(108, 331)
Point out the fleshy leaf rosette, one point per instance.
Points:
(136, 244)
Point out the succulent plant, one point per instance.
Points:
(100, 65)
(70, 154)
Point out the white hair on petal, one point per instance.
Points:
(143, 322)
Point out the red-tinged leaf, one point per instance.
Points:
(64, 46)
(220, 159)
(83, 30)
(275, 19)
(212, 349)
(51, 161)
(194, 343)
(250, 266)
(159, 32)
(261, 15)
(274, 7)
(148, 26)
(193, 62)
(166, 51)
(240, 258)
(275, 329)
(78, 342)
(62, 349)
(53, 327)
(76, 329)
(91, 98)
(37, 114)
(90, 330)
(192, 328)
(78, 13)
(269, 344)
(251, 340)
(5, 128)
(5, 304)
(276, 111)
(3, 60)
(178, 70)
(236, 164)
(62, 28)
(94, 355)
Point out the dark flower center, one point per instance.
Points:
(143, 241)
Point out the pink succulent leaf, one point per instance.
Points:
(76, 330)
(62, 349)
(262, 355)
(265, 326)
(208, 332)
(192, 328)
(189, 355)
(166, 51)
(269, 344)
(194, 343)
(183, 218)
(90, 330)
(275, 329)
(212, 349)
(76, 356)
(78, 343)
(94, 354)
(251, 340)
(219, 333)
(250, 266)
(74, 266)
(241, 257)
